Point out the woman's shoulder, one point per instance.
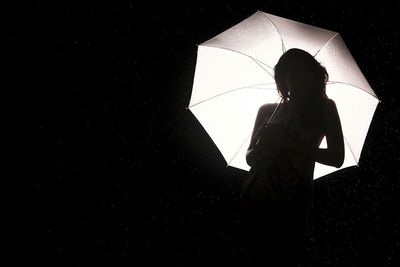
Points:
(329, 101)
(329, 112)
(329, 104)
(267, 108)
(324, 105)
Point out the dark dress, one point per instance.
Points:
(298, 179)
(306, 128)
(276, 227)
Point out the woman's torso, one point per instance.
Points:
(304, 124)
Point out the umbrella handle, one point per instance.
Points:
(266, 122)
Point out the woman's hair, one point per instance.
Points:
(312, 74)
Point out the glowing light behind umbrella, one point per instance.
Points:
(234, 77)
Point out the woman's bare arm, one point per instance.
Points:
(264, 111)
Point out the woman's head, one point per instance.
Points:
(298, 74)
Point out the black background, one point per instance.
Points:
(108, 167)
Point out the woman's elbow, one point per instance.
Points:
(250, 157)
(338, 164)
(339, 160)
(249, 161)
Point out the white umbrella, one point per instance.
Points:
(234, 77)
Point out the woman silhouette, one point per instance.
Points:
(283, 155)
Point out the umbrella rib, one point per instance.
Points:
(336, 33)
(237, 151)
(351, 150)
(334, 82)
(243, 55)
(256, 61)
(249, 135)
(276, 28)
(235, 89)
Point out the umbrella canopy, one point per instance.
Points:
(234, 77)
